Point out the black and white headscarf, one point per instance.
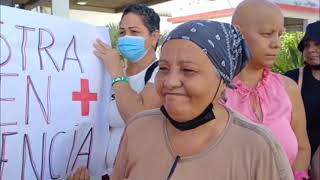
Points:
(222, 42)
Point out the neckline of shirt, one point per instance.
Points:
(204, 152)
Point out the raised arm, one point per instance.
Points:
(128, 101)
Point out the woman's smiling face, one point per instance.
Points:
(187, 80)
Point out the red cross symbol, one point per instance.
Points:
(85, 97)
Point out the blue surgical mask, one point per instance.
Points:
(132, 48)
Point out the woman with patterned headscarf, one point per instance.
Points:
(192, 136)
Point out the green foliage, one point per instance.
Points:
(114, 33)
(289, 56)
(161, 40)
(162, 37)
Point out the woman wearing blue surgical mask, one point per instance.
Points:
(133, 87)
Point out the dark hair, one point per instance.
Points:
(149, 17)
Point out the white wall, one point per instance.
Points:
(95, 18)
(176, 8)
(301, 15)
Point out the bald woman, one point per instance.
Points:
(263, 96)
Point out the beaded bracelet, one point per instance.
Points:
(120, 79)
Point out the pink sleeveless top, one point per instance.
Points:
(275, 104)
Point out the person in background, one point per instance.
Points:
(308, 79)
(133, 87)
(192, 136)
(268, 98)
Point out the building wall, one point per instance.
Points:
(94, 18)
(297, 13)
(180, 8)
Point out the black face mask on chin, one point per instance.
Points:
(206, 116)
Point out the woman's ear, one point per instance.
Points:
(155, 37)
(223, 96)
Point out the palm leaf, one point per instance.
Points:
(114, 33)
(289, 56)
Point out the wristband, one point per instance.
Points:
(120, 79)
(301, 175)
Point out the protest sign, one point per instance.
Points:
(54, 93)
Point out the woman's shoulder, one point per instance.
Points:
(146, 126)
(150, 113)
(284, 78)
(265, 146)
(291, 87)
(287, 82)
(257, 133)
(152, 118)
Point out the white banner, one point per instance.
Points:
(54, 93)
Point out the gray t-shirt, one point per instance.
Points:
(243, 151)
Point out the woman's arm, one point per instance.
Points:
(298, 124)
(128, 101)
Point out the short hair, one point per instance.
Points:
(150, 18)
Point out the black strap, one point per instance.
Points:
(206, 116)
(173, 167)
(150, 71)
